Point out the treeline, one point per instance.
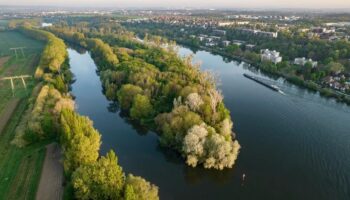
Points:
(53, 66)
(52, 115)
(159, 89)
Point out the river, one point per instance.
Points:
(294, 145)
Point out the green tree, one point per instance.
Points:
(79, 139)
(129, 193)
(127, 94)
(334, 67)
(143, 190)
(103, 179)
(141, 107)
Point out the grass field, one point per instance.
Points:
(11, 66)
(20, 168)
(3, 23)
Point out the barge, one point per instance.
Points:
(272, 87)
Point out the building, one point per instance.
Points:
(219, 32)
(226, 43)
(215, 38)
(272, 56)
(46, 24)
(267, 34)
(242, 22)
(302, 61)
(250, 46)
(259, 33)
(226, 23)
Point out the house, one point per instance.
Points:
(210, 44)
(226, 43)
(302, 61)
(215, 38)
(249, 46)
(201, 38)
(273, 56)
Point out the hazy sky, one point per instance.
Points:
(189, 3)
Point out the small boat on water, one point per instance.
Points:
(272, 87)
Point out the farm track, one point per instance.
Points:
(51, 181)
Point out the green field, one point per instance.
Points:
(12, 66)
(11, 39)
(4, 22)
(20, 168)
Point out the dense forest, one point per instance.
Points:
(156, 88)
(51, 115)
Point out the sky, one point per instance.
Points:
(313, 4)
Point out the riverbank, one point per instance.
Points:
(312, 86)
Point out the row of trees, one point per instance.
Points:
(156, 87)
(93, 177)
(53, 115)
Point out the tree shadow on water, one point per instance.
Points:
(198, 174)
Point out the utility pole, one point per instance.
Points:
(11, 78)
(18, 48)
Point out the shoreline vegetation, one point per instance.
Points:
(163, 92)
(52, 117)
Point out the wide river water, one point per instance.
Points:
(294, 145)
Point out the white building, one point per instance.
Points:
(226, 23)
(302, 61)
(259, 33)
(46, 24)
(233, 23)
(201, 38)
(273, 56)
(226, 43)
(242, 22)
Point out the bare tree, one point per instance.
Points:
(215, 98)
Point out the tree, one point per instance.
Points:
(194, 101)
(221, 153)
(103, 179)
(193, 145)
(129, 193)
(141, 107)
(143, 190)
(80, 141)
(127, 94)
(334, 67)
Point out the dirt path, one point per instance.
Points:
(6, 114)
(51, 180)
